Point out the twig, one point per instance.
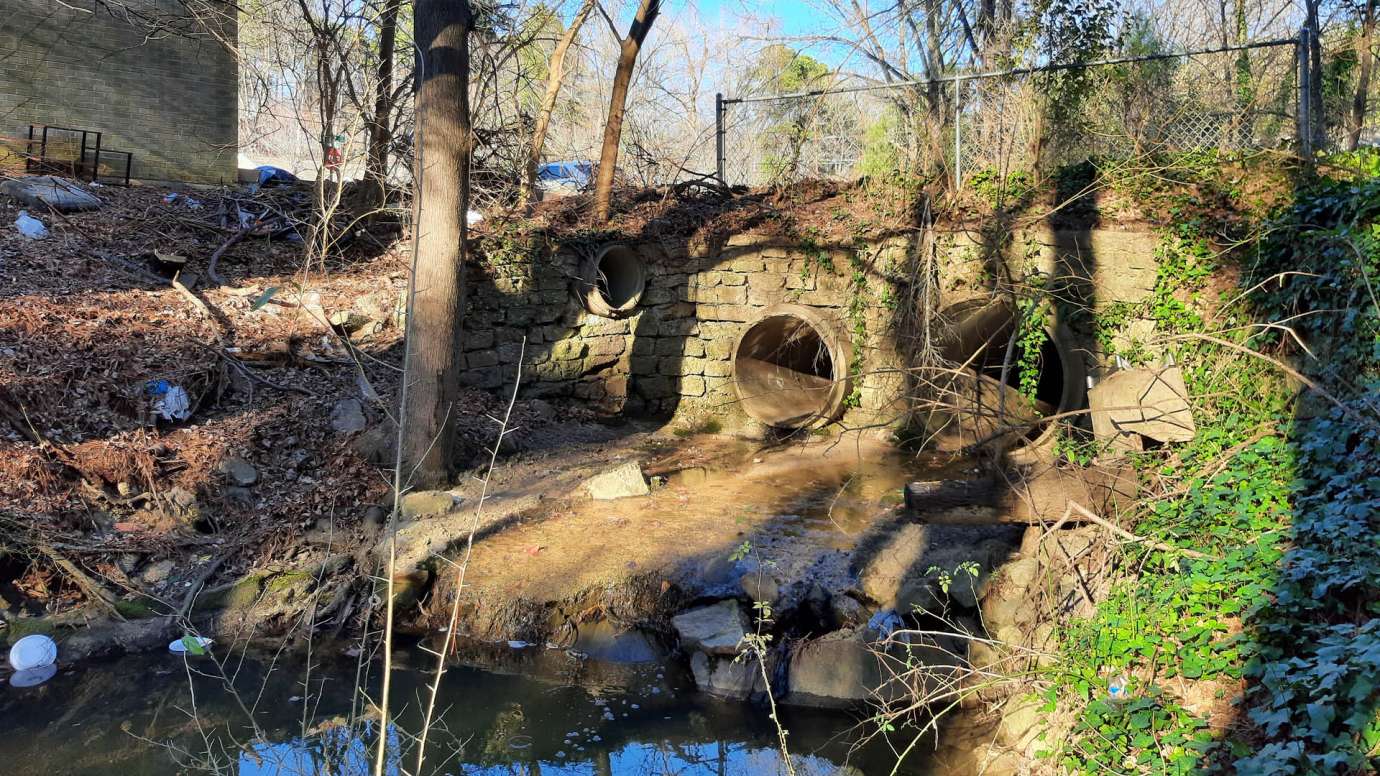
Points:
(249, 373)
(225, 246)
(1130, 537)
(89, 587)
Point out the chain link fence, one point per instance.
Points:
(969, 126)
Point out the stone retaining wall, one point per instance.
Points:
(673, 355)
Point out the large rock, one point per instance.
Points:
(1008, 609)
(618, 482)
(239, 471)
(726, 677)
(844, 668)
(716, 630)
(906, 571)
(158, 572)
(1149, 402)
(603, 641)
(45, 191)
(427, 502)
(347, 417)
(836, 670)
(1021, 722)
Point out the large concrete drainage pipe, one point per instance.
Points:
(976, 337)
(790, 368)
(613, 281)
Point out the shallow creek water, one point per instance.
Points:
(154, 715)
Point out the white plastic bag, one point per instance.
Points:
(30, 227)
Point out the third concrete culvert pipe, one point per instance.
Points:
(790, 367)
(974, 405)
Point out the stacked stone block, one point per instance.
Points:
(673, 355)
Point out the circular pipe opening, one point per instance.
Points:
(976, 339)
(790, 368)
(614, 281)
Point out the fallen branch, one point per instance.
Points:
(225, 246)
(1130, 537)
(89, 587)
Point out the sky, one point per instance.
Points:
(794, 16)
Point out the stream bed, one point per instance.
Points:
(158, 715)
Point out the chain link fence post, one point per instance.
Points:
(958, 134)
(719, 107)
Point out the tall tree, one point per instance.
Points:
(628, 49)
(554, 75)
(445, 144)
(1365, 54)
(381, 120)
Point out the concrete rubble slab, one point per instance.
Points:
(619, 482)
(50, 191)
(1150, 402)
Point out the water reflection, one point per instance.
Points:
(152, 716)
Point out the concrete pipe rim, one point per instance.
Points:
(790, 367)
(614, 280)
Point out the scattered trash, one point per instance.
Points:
(263, 298)
(473, 217)
(1119, 688)
(885, 623)
(171, 402)
(32, 677)
(170, 261)
(30, 227)
(275, 176)
(192, 203)
(34, 651)
(520, 742)
(567, 177)
(190, 645)
(517, 644)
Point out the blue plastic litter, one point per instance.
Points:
(569, 174)
(272, 176)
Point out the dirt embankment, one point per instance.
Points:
(164, 435)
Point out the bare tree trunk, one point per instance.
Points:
(555, 74)
(613, 128)
(442, 193)
(1315, 78)
(1366, 60)
(381, 123)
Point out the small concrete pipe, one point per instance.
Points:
(613, 281)
(790, 367)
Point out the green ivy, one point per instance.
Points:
(1282, 497)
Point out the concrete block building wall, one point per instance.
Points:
(167, 96)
